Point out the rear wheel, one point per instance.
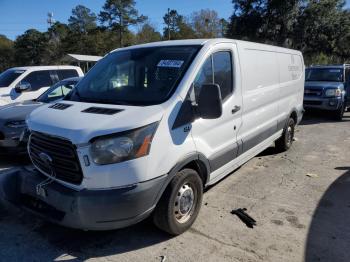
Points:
(286, 140)
(179, 206)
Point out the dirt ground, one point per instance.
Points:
(300, 200)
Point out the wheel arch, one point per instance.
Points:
(196, 161)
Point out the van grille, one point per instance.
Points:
(65, 164)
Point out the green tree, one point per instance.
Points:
(29, 48)
(280, 19)
(224, 25)
(54, 50)
(176, 26)
(322, 28)
(6, 53)
(119, 15)
(147, 34)
(82, 19)
(319, 28)
(247, 19)
(206, 23)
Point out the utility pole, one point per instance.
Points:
(50, 19)
(168, 23)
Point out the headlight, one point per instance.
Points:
(333, 92)
(16, 124)
(123, 146)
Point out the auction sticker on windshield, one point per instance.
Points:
(170, 63)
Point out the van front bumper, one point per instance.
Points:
(323, 103)
(85, 209)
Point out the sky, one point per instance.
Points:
(17, 16)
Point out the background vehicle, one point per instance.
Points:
(327, 88)
(27, 83)
(13, 116)
(150, 126)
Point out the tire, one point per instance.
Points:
(338, 114)
(174, 213)
(286, 140)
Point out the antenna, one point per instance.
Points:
(50, 19)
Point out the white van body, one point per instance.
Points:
(266, 90)
(39, 83)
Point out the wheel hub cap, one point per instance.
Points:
(184, 203)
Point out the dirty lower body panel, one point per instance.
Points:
(85, 209)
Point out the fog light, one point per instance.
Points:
(331, 103)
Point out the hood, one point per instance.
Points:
(18, 111)
(80, 127)
(323, 84)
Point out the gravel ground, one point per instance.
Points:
(300, 200)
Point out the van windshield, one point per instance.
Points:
(10, 75)
(142, 76)
(324, 74)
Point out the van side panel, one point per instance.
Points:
(291, 71)
(260, 91)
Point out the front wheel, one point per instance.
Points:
(338, 114)
(179, 206)
(286, 140)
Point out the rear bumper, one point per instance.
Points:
(86, 209)
(323, 103)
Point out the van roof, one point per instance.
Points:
(38, 68)
(202, 42)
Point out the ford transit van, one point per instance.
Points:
(150, 126)
(26, 83)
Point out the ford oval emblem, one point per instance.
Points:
(46, 159)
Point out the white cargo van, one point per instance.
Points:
(26, 83)
(150, 126)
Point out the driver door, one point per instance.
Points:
(217, 138)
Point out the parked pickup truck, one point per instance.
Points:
(151, 126)
(327, 88)
(20, 84)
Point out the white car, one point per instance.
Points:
(185, 114)
(26, 83)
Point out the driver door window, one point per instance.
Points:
(217, 69)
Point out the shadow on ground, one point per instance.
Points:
(59, 241)
(79, 245)
(312, 117)
(329, 233)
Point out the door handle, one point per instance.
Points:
(236, 109)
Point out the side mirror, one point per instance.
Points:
(22, 86)
(210, 102)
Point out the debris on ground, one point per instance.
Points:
(163, 258)
(312, 175)
(244, 217)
